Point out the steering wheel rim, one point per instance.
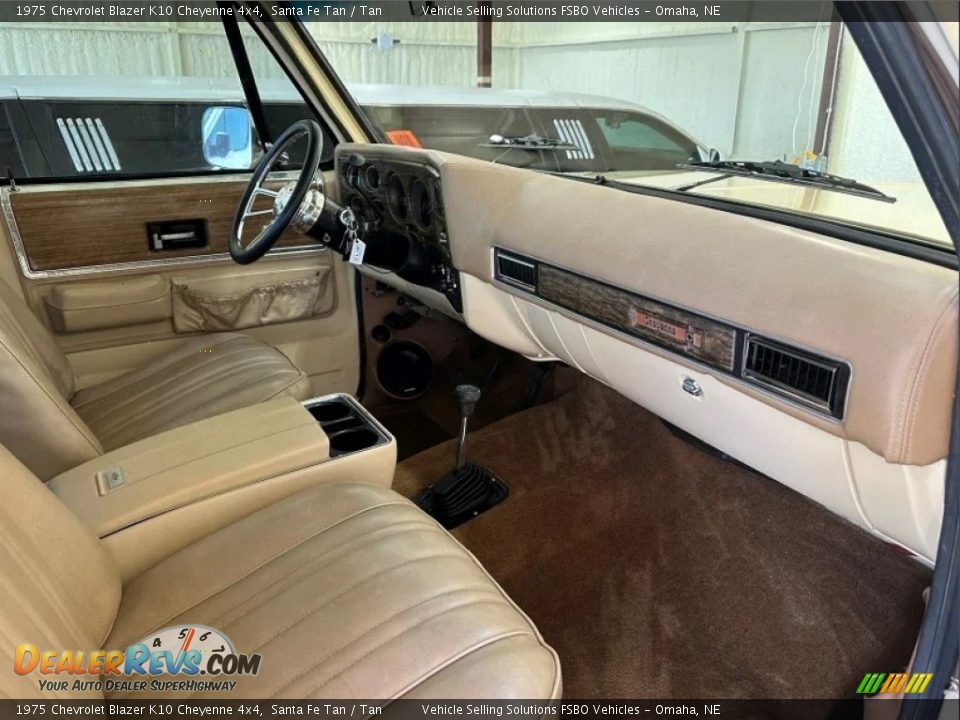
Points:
(271, 232)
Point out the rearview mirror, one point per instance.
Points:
(227, 136)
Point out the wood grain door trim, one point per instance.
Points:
(78, 229)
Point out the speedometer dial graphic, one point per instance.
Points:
(183, 638)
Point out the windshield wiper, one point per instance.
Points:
(779, 171)
(528, 142)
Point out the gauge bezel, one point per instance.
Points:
(397, 198)
(416, 207)
(371, 178)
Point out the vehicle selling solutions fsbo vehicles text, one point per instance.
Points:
(585, 11)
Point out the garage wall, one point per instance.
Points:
(860, 141)
(735, 87)
(442, 53)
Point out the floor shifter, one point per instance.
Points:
(468, 489)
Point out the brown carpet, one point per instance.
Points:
(414, 432)
(657, 570)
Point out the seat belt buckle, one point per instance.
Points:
(109, 479)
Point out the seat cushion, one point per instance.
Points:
(346, 591)
(202, 378)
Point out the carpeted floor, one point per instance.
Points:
(657, 570)
(414, 431)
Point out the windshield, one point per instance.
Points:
(595, 140)
(638, 102)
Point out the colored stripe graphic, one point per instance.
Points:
(870, 683)
(918, 683)
(894, 683)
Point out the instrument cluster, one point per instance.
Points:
(399, 206)
(398, 196)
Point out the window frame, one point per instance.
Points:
(14, 105)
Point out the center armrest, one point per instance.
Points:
(157, 495)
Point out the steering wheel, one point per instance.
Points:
(287, 202)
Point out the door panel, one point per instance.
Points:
(74, 226)
(85, 265)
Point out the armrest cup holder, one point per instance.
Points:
(349, 427)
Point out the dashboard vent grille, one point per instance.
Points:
(516, 270)
(810, 379)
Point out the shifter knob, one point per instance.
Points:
(468, 396)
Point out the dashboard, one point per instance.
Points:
(831, 373)
(399, 207)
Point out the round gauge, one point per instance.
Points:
(351, 175)
(421, 204)
(396, 197)
(358, 206)
(183, 638)
(371, 177)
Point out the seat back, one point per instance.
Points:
(61, 588)
(36, 384)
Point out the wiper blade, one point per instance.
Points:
(528, 142)
(779, 171)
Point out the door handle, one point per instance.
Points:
(176, 234)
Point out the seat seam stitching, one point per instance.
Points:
(160, 365)
(174, 380)
(436, 670)
(389, 639)
(39, 384)
(126, 384)
(300, 377)
(314, 610)
(308, 563)
(270, 560)
(136, 415)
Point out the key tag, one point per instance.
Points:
(358, 247)
(357, 251)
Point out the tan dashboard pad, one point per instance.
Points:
(893, 319)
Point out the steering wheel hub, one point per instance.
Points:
(283, 197)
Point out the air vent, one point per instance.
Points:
(810, 379)
(516, 270)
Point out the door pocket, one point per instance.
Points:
(213, 305)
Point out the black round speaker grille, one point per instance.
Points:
(404, 369)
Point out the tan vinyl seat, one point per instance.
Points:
(346, 591)
(51, 428)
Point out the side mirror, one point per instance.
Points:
(714, 155)
(227, 137)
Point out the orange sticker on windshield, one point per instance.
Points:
(403, 137)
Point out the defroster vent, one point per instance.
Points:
(810, 379)
(516, 270)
